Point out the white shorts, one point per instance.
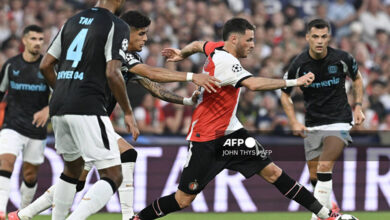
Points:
(89, 136)
(316, 135)
(88, 166)
(12, 142)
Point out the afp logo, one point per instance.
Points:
(332, 69)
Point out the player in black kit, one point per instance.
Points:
(27, 111)
(89, 52)
(328, 114)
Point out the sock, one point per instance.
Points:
(293, 190)
(313, 183)
(160, 208)
(63, 197)
(27, 191)
(42, 203)
(323, 189)
(126, 189)
(5, 188)
(94, 200)
(80, 186)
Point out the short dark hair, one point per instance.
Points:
(136, 19)
(236, 25)
(34, 28)
(318, 23)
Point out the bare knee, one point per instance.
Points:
(271, 173)
(7, 162)
(183, 199)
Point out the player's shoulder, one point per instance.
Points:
(221, 55)
(301, 58)
(14, 59)
(338, 54)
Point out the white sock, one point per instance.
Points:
(63, 199)
(323, 191)
(27, 194)
(5, 188)
(42, 203)
(94, 200)
(126, 190)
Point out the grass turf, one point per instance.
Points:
(241, 216)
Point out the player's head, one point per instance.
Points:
(139, 26)
(318, 34)
(33, 39)
(240, 33)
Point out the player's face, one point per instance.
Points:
(318, 40)
(138, 38)
(245, 44)
(33, 42)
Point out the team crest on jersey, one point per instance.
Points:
(332, 69)
(16, 72)
(236, 68)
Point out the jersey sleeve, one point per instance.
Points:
(117, 41)
(4, 77)
(55, 46)
(132, 60)
(292, 73)
(352, 66)
(230, 72)
(210, 46)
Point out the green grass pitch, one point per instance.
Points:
(241, 216)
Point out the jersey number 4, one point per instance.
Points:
(75, 50)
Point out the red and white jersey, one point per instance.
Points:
(215, 113)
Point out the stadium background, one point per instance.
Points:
(360, 27)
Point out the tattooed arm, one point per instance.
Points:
(159, 91)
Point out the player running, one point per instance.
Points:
(214, 122)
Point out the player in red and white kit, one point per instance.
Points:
(215, 125)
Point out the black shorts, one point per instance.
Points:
(203, 163)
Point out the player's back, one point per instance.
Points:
(85, 44)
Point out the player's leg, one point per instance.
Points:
(45, 201)
(11, 144)
(293, 190)
(101, 149)
(312, 165)
(33, 157)
(126, 189)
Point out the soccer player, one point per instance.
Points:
(328, 116)
(139, 24)
(24, 128)
(89, 51)
(214, 122)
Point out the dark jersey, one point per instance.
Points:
(28, 93)
(83, 47)
(132, 59)
(325, 99)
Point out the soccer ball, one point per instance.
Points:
(346, 217)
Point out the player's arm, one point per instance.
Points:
(4, 80)
(288, 107)
(174, 55)
(357, 86)
(117, 85)
(159, 74)
(47, 68)
(160, 92)
(262, 83)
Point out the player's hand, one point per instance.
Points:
(40, 117)
(299, 129)
(358, 115)
(195, 96)
(306, 79)
(206, 81)
(172, 54)
(131, 126)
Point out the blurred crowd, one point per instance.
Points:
(360, 27)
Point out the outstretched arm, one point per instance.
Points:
(160, 92)
(159, 74)
(174, 55)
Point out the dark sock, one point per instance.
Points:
(293, 190)
(80, 186)
(313, 183)
(323, 177)
(160, 208)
